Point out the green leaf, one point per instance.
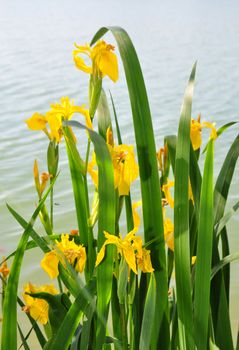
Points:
(70, 278)
(59, 304)
(195, 180)
(220, 131)
(212, 346)
(103, 115)
(224, 220)
(45, 220)
(37, 330)
(171, 142)
(116, 121)
(237, 346)
(81, 199)
(224, 180)
(149, 177)
(9, 324)
(122, 281)
(204, 253)
(40, 242)
(149, 311)
(95, 87)
(227, 260)
(52, 158)
(181, 222)
(220, 286)
(128, 204)
(85, 341)
(24, 342)
(116, 325)
(111, 340)
(106, 222)
(66, 331)
(76, 339)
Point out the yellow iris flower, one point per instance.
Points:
(54, 117)
(194, 258)
(38, 308)
(144, 261)
(162, 155)
(130, 248)
(4, 270)
(125, 168)
(65, 249)
(103, 60)
(196, 132)
(168, 231)
(136, 217)
(166, 189)
(40, 181)
(37, 122)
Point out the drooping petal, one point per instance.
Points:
(36, 122)
(92, 171)
(38, 307)
(108, 65)
(136, 217)
(196, 133)
(123, 187)
(130, 258)
(211, 126)
(104, 60)
(125, 167)
(100, 255)
(144, 263)
(166, 189)
(169, 233)
(131, 235)
(81, 259)
(50, 264)
(79, 61)
(85, 113)
(55, 124)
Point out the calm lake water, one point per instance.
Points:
(36, 69)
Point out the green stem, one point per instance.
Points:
(131, 329)
(60, 284)
(123, 327)
(91, 250)
(51, 205)
(87, 155)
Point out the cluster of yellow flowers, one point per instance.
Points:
(131, 248)
(125, 167)
(66, 250)
(54, 117)
(162, 154)
(103, 59)
(38, 308)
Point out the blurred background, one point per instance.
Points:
(36, 69)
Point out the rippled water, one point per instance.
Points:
(36, 69)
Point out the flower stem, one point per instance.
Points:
(123, 327)
(51, 206)
(87, 155)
